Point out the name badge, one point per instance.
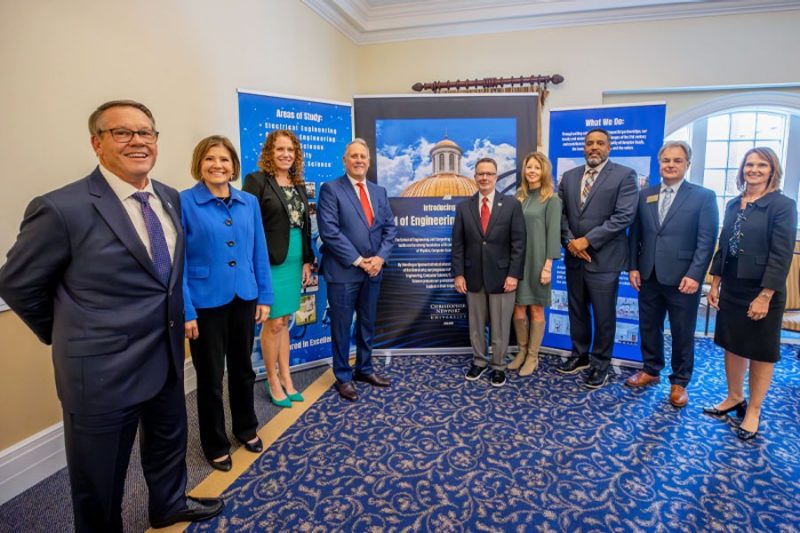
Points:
(652, 198)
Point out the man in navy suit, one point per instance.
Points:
(357, 229)
(599, 204)
(96, 271)
(488, 257)
(671, 244)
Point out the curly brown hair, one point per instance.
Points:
(267, 164)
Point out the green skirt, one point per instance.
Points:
(287, 277)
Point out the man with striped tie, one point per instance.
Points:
(599, 203)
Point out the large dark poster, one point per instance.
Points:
(423, 150)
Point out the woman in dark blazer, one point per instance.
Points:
(281, 192)
(227, 290)
(749, 284)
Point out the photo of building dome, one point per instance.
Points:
(446, 180)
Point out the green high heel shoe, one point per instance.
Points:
(294, 396)
(285, 402)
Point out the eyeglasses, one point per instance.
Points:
(486, 174)
(124, 135)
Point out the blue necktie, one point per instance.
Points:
(158, 244)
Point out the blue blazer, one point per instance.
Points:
(344, 231)
(226, 251)
(80, 277)
(486, 260)
(604, 218)
(683, 244)
(766, 245)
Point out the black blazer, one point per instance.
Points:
(486, 260)
(603, 220)
(275, 214)
(80, 277)
(767, 240)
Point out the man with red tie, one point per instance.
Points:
(487, 259)
(357, 229)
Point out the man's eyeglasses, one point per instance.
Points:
(124, 135)
(486, 174)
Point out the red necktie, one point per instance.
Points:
(362, 195)
(485, 214)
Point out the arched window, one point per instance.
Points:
(721, 131)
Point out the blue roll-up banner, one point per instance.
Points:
(324, 128)
(637, 133)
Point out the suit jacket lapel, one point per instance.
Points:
(473, 210)
(113, 212)
(680, 197)
(273, 183)
(350, 193)
(598, 182)
(652, 207)
(497, 205)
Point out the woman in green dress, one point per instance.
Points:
(287, 226)
(542, 212)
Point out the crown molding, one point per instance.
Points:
(380, 21)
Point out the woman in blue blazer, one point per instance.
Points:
(227, 290)
(749, 284)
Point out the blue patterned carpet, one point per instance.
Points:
(435, 453)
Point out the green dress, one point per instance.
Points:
(543, 224)
(287, 277)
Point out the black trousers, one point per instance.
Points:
(98, 449)
(597, 290)
(225, 334)
(655, 302)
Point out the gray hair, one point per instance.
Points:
(677, 144)
(357, 140)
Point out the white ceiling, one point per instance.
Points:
(373, 21)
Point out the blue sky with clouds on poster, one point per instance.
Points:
(403, 146)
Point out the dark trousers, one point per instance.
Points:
(98, 449)
(596, 291)
(655, 302)
(225, 334)
(344, 299)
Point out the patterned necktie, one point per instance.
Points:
(362, 195)
(485, 214)
(158, 244)
(666, 201)
(588, 181)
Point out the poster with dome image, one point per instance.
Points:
(423, 151)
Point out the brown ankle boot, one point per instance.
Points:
(521, 329)
(534, 342)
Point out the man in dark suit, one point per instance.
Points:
(96, 271)
(599, 203)
(671, 244)
(357, 229)
(488, 255)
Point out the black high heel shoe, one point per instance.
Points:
(743, 434)
(740, 409)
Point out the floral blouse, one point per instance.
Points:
(296, 207)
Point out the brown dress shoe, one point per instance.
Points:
(641, 379)
(373, 379)
(347, 390)
(678, 396)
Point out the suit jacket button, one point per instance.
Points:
(228, 222)
(230, 243)
(232, 263)
(484, 242)
(171, 323)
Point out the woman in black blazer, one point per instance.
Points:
(281, 192)
(749, 284)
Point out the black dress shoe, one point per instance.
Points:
(347, 390)
(573, 365)
(373, 379)
(743, 434)
(740, 409)
(197, 510)
(475, 372)
(225, 465)
(255, 447)
(596, 379)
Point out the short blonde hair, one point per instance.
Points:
(202, 149)
(546, 180)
